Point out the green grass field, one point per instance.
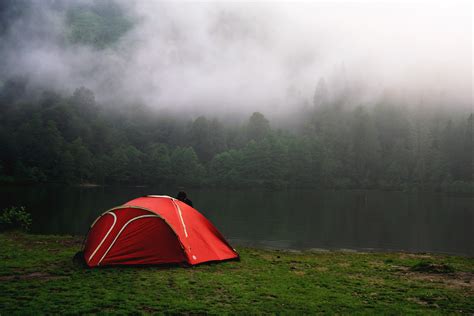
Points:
(37, 276)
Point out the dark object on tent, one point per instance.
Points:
(183, 197)
(154, 230)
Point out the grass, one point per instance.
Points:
(37, 276)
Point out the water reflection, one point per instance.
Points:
(283, 219)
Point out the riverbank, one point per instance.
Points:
(37, 275)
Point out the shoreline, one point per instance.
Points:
(316, 250)
(409, 189)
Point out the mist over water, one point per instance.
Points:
(226, 58)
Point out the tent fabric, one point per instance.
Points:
(154, 230)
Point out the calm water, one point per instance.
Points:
(284, 219)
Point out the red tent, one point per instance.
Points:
(154, 230)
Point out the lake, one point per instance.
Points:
(358, 220)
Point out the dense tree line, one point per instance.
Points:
(48, 137)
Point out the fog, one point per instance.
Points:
(240, 57)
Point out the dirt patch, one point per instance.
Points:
(29, 242)
(424, 302)
(300, 273)
(149, 310)
(75, 241)
(455, 280)
(31, 276)
(344, 265)
(376, 264)
(415, 255)
(428, 267)
(270, 256)
(458, 280)
(370, 279)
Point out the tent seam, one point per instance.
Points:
(106, 235)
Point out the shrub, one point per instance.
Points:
(15, 218)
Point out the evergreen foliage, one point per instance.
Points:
(72, 139)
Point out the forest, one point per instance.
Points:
(49, 137)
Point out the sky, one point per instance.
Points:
(229, 57)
